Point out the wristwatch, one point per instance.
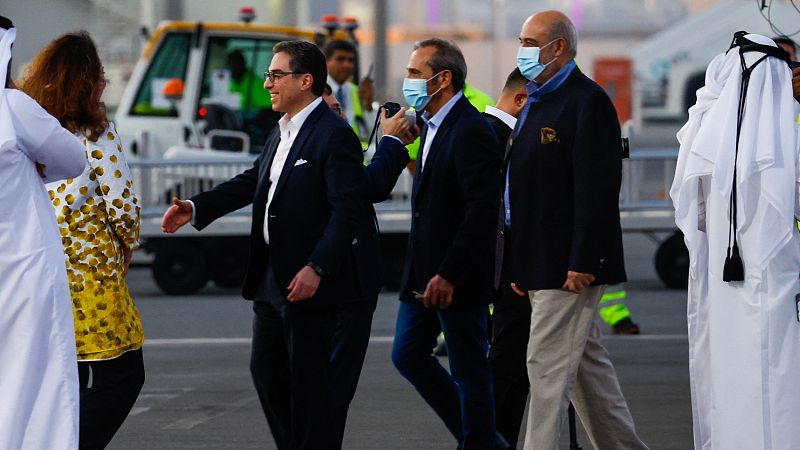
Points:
(316, 268)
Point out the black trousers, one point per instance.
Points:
(290, 367)
(109, 389)
(351, 338)
(511, 323)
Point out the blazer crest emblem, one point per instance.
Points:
(549, 136)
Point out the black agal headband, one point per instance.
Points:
(5, 23)
(734, 267)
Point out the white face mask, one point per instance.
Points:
(528, 61)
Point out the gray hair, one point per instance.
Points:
(447, 57)
(566, 30)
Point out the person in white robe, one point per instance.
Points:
(38, 372)
(744, 336)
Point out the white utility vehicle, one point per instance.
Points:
(195, 114)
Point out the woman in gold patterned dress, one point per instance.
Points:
(98, 217)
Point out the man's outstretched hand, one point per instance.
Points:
(178, 215)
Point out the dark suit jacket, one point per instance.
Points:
(501, 130)
(454, 209)
(388, 162)
(566, 169)
(502, 261)
(315, 211)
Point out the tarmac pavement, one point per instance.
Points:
(199, 395)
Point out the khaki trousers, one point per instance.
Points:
(566, 361)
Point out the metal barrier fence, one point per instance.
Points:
(646, 179)
(158, 180)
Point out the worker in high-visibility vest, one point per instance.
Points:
(356, 101)
(614, 312)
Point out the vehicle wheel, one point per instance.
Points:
(227, 262)
(672, 262)
(179, 267)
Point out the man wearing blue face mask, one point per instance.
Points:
(560, 212)
(447, 279)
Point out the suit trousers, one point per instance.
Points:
(511, 326)
(566, 361)
(109, 388)
(289, 364)
(463, 397)
(350, 341)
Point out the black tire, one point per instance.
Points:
(672, 262)
(226, 260)
(179, 267)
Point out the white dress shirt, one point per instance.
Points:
(345, 99)
(289, 129)
(433, 125)
(507, 118)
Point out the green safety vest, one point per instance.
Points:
(358, 114)
(612, 306)
(253, 85)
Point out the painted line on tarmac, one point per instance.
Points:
(201, 417)
(195, 341)
(227, 341)
(645, 337)
(380, 340)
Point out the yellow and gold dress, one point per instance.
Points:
(98, 216)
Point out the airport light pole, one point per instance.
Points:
(381, 48)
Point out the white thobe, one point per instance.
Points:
(744, 337)
(38, 368)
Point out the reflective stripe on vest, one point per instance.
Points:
(612, 307)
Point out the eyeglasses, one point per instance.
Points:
(337, 109)
(272, 75)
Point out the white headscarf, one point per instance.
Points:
(8, 136)
(767, 144)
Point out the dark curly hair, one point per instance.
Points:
(63, 78)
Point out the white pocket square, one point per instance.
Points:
(300, 162)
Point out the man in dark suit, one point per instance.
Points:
(307, 191)
(511, 317)
(561, 207)
(503, 116)
(354, 318)
(447, 279)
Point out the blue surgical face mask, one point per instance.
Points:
(415, 91)
(528, 61)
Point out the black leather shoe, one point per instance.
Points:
(626, 326)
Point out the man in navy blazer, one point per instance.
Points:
(560, 215)
(307, 191)
(447, 279)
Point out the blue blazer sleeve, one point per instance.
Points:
(389, 161)
(597, 171)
